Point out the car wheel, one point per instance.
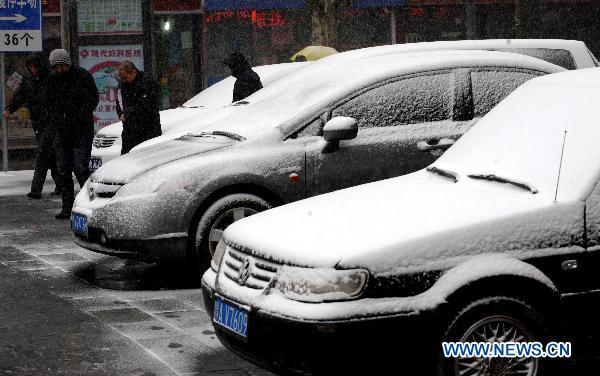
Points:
(220, 215)
(496, 319)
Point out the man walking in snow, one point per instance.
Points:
(29, 93)
(70, 99)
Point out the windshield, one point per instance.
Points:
(217, 95)
(521, 141)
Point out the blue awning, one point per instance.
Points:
(214, 5)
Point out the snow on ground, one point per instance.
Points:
(19, 182)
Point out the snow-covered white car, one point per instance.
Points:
(357, 122)
(569, 54)
(107, 141)
(488, 244)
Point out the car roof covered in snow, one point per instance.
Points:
(298, 97)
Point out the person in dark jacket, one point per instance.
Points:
(139, 111)
(247, 81)
(70, 98)
(29, 93)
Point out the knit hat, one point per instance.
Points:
(59, 56)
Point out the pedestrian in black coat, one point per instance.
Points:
(70, 99)
(29, 94)
(139, 111)
(247, 81)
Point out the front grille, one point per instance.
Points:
(247, 270)
(104, 141)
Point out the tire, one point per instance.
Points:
(221, 214)
(510, 316)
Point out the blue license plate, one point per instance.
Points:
(231, 316)
(95, 163)
(79, 224)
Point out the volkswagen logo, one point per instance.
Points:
(244, 272)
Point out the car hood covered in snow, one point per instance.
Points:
(406, 222)
(125, 168)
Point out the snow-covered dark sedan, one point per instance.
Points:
(488, 244)
(358, 122)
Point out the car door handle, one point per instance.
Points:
(435, 144)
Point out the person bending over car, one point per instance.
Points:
(139, 111)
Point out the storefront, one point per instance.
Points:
(183, 42)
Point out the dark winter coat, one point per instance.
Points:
(70, 100)
(141, 105)
(247, 81)
(30, 93)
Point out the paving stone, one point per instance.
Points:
(162, 305)
(184, 319)
(61, 257)
(146, 329)
(14, 254)
(28, 264)
(124, 315)
(180, 352)
(99, 303)
(193, 297)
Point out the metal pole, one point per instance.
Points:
(393, 25)
(4, 124)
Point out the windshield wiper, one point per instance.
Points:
(240, 103)
(231, 135)
(199, 106)
(446, 173)
(516, 183)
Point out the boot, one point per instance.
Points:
(34, 195)
(64, 214)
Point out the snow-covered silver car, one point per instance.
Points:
(203, 108)
(485, 245)
(358, 122)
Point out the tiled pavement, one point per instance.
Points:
(171, 325)
(158, 308)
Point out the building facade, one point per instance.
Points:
(183, 42)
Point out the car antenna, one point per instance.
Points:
(560, 165)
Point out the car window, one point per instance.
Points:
(492, 86)
(418, 99)
(596, 63)
(560, 57)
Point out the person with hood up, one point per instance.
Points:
(247, 81)
(70, 99)
(139, 110)
(29, 93)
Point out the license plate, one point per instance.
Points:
(79, 224)
(95, 163)
(231, 316)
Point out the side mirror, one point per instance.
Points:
(340, 128)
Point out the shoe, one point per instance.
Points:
(64, 214)
(55, 193)
(34, 195)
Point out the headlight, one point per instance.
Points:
(319, 285)
(218, 255)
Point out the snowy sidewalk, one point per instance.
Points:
(14, 183)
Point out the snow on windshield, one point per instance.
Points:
(221, 93)
(522, 139)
